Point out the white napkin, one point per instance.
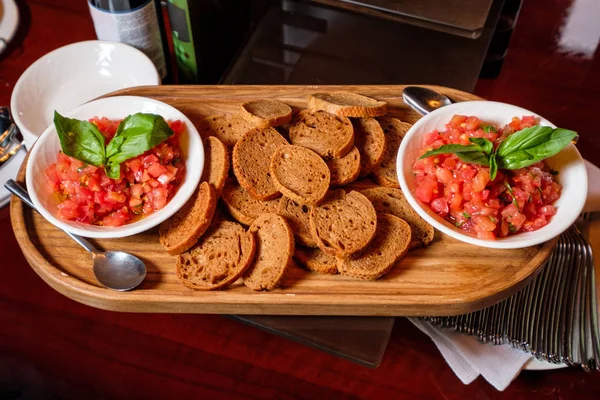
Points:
(9, 171)
(469, 358)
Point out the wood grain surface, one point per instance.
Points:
(446, 278)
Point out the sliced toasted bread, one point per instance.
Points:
(347, 104)
(394, 130)
(326, 134)
(251, 159)
(298, 217)
(370, 141)
(344, 223)
(316, 260)
(346, 169)
(274, 250)
(392, 201)
(216, 163)
(228, 128)
(243, 207)
(300, 174)
(389, 245)
(220, 258)
(266, 113)
(184, 228)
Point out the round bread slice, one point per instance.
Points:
(300, 174)
(220, 258)
(326, 134)
(347, 104)
(344, 223)
(243, 207)
(385, 171)
(184, 228)
(392, 201)
(316, 260)
(346, 169)
(216, 163)
(251, 159)
(266, 113)
(228, 128)
(274, 250)
(389, 245)
(298, 217)
(370, 141)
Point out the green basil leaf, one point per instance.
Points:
(493, 166)
(523, 139)
(474, 157)
(489, 128)
(113, 170)
(485, 145)
(135, 135)
(80, 139)
(451, 149)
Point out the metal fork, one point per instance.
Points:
(555, 316)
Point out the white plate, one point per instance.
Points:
(9, 21)
(71, 75)
(569, 164)
(45, 152)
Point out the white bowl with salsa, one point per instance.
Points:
(159, 204)
(459, 217)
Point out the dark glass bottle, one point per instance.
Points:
(138, 23)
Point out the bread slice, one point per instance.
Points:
(274, 250)
(326, 134)
(392, 201)
(251, 159)
(298, 217)
(184, 228)
(347, 104)
(216, 163)
(344, 223)
(370, 141)
(300, 174)
(220, 258)
(346, 169)
(389, 245)
(316, 260)
(243, 207)
(266, 113)
(394, 130)
(228, 128)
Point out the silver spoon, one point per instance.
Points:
(424, 100)
(114, 269)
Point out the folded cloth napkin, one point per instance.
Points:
(9, 171)
(469, 358)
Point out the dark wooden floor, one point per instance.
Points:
(54, 348)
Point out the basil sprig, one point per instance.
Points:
(135, 135)
(519, 150)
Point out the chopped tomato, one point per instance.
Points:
(515, 201)
(146, 184)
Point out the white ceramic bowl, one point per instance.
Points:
(572, 173)
(71, 75)
(46, 149)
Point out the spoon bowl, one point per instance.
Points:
(424, 100)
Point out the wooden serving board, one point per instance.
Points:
(446, 278)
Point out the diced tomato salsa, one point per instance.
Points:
(146, 185)
(516, 201)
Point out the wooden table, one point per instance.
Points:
(52, 347)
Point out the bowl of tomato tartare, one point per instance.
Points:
(115, 167)
(492, 174)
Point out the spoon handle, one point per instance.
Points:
(19, 191)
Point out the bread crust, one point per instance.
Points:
(243, 207)
(216, 164)
(394, 130)
(328, 135)
(266, 113)
(347, 104)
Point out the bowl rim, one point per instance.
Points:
(185, 191)
(36, 64)
(499, 243)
